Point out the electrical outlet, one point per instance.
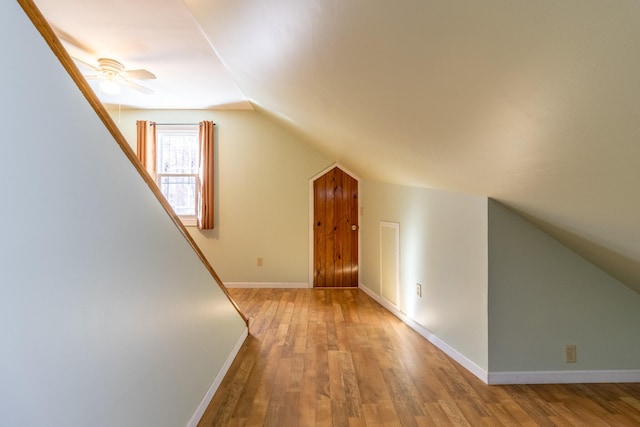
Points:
(571, 353)
(260, 262)
(419, 290)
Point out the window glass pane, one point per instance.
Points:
(180, 192)
(177, 153)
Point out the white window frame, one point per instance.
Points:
(187, 220)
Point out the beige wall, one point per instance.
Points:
(443, 246)
(107, 316)
(262, 211)
(262, 194)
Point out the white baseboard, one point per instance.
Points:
(429, 336)
(497, 378)
(565, 377)
(195, 419)
(266, 285)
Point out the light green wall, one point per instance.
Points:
(107, 316)
(443, 246)
(262, 194)
(543, 296)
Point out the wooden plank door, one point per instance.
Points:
(335, 230)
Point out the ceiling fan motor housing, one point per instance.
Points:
(110, 67)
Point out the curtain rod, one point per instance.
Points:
(177, 124)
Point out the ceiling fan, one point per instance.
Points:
(112, 74)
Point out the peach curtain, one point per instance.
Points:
(146, 147)
(205, 205)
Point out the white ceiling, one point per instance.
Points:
(536, 104)
(157, 35)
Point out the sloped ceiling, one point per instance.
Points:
(536, 104)
(533, 103)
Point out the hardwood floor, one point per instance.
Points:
(335, 357)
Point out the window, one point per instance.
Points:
(180, 158)
(177, 166)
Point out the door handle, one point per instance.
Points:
(354, 227)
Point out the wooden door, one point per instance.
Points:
(335, 230)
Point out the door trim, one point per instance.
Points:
(311, 213)
(396, 227)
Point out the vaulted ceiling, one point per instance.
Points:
(534, 103)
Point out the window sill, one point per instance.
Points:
(189, 221)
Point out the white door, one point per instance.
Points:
(389, 261)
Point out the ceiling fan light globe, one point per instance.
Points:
(110, 87)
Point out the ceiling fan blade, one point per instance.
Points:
(139, 74)
(137, 87)
(93, 76)
(72, 41)
(85, 64)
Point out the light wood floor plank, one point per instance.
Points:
(334, 357)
